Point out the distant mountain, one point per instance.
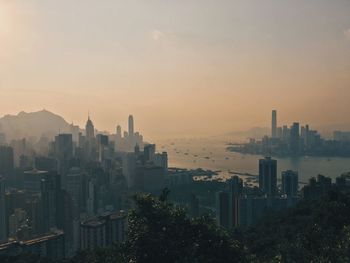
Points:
(33, 124)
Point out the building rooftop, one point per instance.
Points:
(35, 171)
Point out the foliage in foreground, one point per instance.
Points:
(161, 232)
(317, 231)
(314, 231)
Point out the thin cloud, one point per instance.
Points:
(160, 35)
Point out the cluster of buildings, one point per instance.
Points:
(73, 193)
(296, 140)
(238, 206)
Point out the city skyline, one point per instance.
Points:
(169, 63)
(326, 130)
(174, 131)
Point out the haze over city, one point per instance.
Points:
(181, 67)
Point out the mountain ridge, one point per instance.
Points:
(33, 125)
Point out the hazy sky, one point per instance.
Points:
(181, 67)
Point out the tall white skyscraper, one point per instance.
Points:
(3, 234)
(274, 124)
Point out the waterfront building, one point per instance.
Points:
(295, 139)
(290, 183)
(316, 188)
(268, 176)
(274, 124)
(161, 160)
(149, 152)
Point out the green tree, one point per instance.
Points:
(162, 232)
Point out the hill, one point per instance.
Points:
(33, 124)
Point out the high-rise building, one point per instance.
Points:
(3, 228)
(75, 189)
(290, 183)
(236, 191)
(149, 152)
(268, 176)
(295, 139)
(118, 138)
(149, 177)
(74, 130)
(161, 159)
(2, 138)
(223, 209)
(6, 160)
(103, 231)
(91, 203)
(89, 129)
(341, 136)
(228, 204)
(64, 147)
(274, 124)
(129, 168)
(16, 220)
(93, 234)
(236, 186)
(285, 133)
(131, 126)
(316, 188)
(19, 149)
(32, 180)
(50, 188)
(64, 153)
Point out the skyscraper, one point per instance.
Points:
(131, 126)
(290, 183)
(64, 153)
(274, 124)
(223, 209)
(3, 234)
(90, 129)
(295, 139)
(129, 168)
(118, 138)
(268, 176)
(64, 147)
(131, 138)
(149, 152)
(6, 160)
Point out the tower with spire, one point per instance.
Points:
(90, 129)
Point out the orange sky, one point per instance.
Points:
(180, 67)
